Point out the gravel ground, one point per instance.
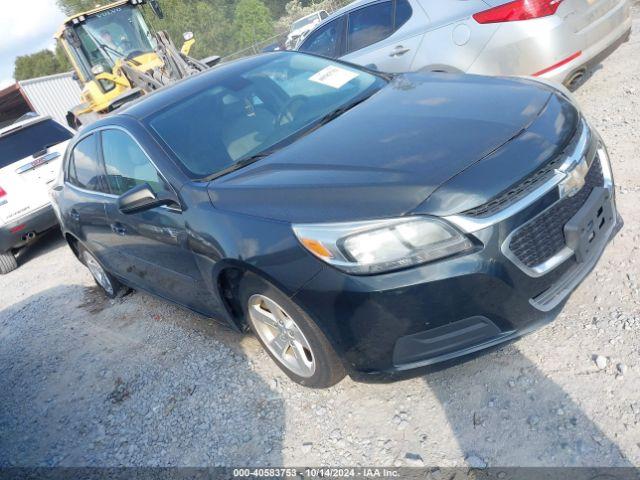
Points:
(136, 381)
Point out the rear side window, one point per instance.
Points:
(84, 167)
(325, 40)
(403, 13)
(369, 25)
(127, 165)
(26, 141)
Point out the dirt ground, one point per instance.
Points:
(136, 381)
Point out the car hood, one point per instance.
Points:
(388, 155)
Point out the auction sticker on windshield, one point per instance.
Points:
(334, 77)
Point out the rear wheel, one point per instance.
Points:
(8, 263)
(107, 282)
(289, 335)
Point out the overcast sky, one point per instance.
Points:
(26, 26)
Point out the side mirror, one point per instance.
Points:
(157, 9)
(189, 41)
(72, 37)
(142, 198)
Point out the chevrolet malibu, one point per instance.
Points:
(357, 223)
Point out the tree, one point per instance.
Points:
(64, 65)
(39, 64)
(71, 7)
(252, 22)
(209, 20)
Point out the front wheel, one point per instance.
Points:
(107, 282)
(289, 336)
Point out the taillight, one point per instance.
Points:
(518, 10)
(2, 192)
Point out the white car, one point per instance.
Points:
(301, 28)
(31, 151)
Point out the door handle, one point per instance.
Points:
(74, 215)
(399, 50)
(118, 229)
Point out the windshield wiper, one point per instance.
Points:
(337, 112)
(239, 164)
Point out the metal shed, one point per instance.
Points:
(54, 95)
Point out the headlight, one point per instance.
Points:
(383, 245)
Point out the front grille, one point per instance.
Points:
(543, 237)
(528, 184)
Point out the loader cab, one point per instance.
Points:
(97, 42)
(117, 57)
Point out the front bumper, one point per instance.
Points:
(409, 319)
(12, 234)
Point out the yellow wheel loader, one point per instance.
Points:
(117, 57)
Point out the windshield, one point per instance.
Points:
(298, 24)
(120, 32)
(34, 138)
(244, 113)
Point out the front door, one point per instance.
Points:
(149, 248)
(385, 35)
(84, 204)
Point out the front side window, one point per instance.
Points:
(252, 110)
(24, 142)
(127, 166)
(84, 167)
(403, 13)
(325, 40)
(369, 25)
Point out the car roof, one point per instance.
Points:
(160, 99)
(20, 124)
(346, 8)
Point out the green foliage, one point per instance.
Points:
(252, 22)
(221, 27)
(64, 65)
(71, 7)
(209, 23)
(44, 62)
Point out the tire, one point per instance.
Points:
(304, 353)
(111, 287)
(8, 263)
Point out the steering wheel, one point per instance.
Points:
(133, 54)
(287, 113)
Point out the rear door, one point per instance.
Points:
(149, 248)
(30, 159)
(385, 35)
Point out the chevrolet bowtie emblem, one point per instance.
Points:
(575, 180)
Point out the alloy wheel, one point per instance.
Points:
(282, 336)
(98, 272)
